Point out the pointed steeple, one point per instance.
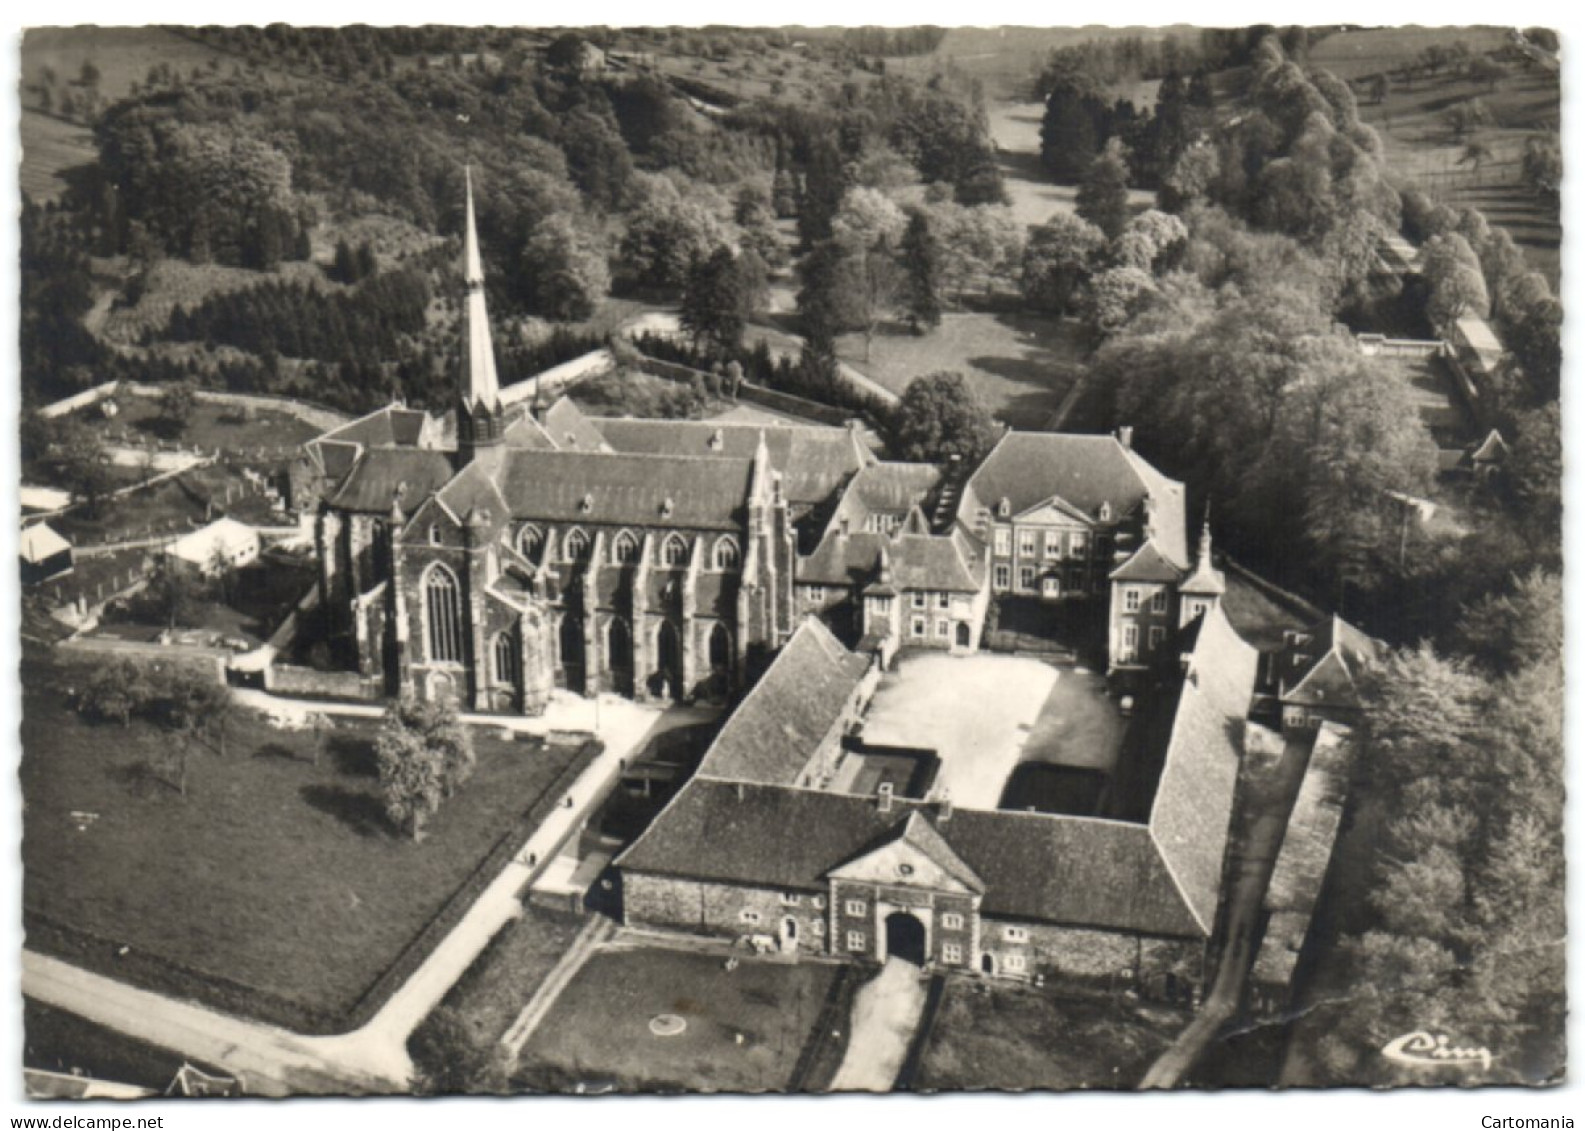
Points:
(479, 408)
(1206, 580)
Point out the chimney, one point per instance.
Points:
(842, 526)
(1125, 436)
(944, 814)
(885, 796)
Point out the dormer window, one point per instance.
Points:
(1004, 508)
(667, 507)
(586, 504)
(717, 440)
(434, 534)
(1105, 512)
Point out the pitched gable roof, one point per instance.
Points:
(917, 834)
(553, 486)
(1147, 564)
(1319, 665)
(814, 460)
(1084, 471)
(372, 484)
(1193, 806)
(571, 430)
(789, 712)
(931, 562)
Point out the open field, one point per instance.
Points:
(1421, 149)
(1006, 59)
(211, 425)
(1007, 1037)
(1033, 196)
(745, 1027)
(1022, 364)
(174, 282)
(273, 873)
(50, 146)
(122, 54)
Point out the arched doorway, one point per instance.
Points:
(571, 646)
(788, 935)
(668, 651)
(619, 655)
(441, 687)
(905, 937)
(988, 963)
(720, 650)
(963, 635)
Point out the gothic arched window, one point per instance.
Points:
(443, 607)
(727, 555)
(529, 540)
(504, 654)
(675, 552)
(577, 545)
(624, 549)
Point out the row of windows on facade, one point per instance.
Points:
(1078, 543)
(1051, 585)
(951, 953)
(625, 547)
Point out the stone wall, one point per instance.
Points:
(289, 679)
(700, 907)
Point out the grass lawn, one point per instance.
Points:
(213, 425)
(274, 873)
(1258, 617)
(1022, 364)
(503, 978)
(1007, 1037)
(745, 1027)
(50, 146)
(174, 282)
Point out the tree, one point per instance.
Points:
(1486, 70)
(878, 284)
(921, 265)
(1476, 153)
(1467, 117)
(116, 691)
(1509, 632)
(1452, 272)
(189, 705)
(176, 406)
(1535, 469)
(712, 306)
(666, 233)
(1112, 299)
(1542, 164)
(1378, 87)
(412, 772)
(1058, 258)
(564, 269)
(938, 417)
(449, 1057)
(1103, 196)
(175, 594)
(1151, 241)
(865, 217)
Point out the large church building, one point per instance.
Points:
(495, 552)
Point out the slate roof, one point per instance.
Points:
(571, 430)
(1078, 871)
(1318, 666)
(390, 427)
(372, 484)
(813, 460)
(885, 488)
(1027, 468)
(1148, 564)
(789, 712)
(934, 562)
(625, 489)
(1194, 797)
(39, 542)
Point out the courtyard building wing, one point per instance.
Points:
(1148, 564)
(626, 489)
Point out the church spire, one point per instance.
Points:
(479, 411)
(1205, 539)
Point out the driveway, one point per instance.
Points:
(886, 1013)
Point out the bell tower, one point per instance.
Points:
(479, 415)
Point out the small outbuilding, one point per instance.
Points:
(222, 546)
(44, 554)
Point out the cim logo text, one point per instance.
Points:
(1422, 1050)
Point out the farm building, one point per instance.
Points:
(44, 554)
(223, 545)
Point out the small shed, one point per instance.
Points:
(220, 547)
(44, 554)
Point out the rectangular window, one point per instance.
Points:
(748, 916)
(1075, 579)
(1157, 635)
(943, 628)
(820, 902)
(952, 921)
(1026, 543)
(951, 952)
(1051, 587)
(943, 600)
(1130, 600)
(918, 599)
(1078, 544)
(854, 907)
(790, 899)
(1002, 578)
(855, 940)
(1130, 641)
(1158, 601)
(1053, 543)
(816, 594)
(1026, 577)
(1015, 934)
(918, 626)
(1004, 541)
(1015, 963)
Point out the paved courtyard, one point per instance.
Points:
(984, 714)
